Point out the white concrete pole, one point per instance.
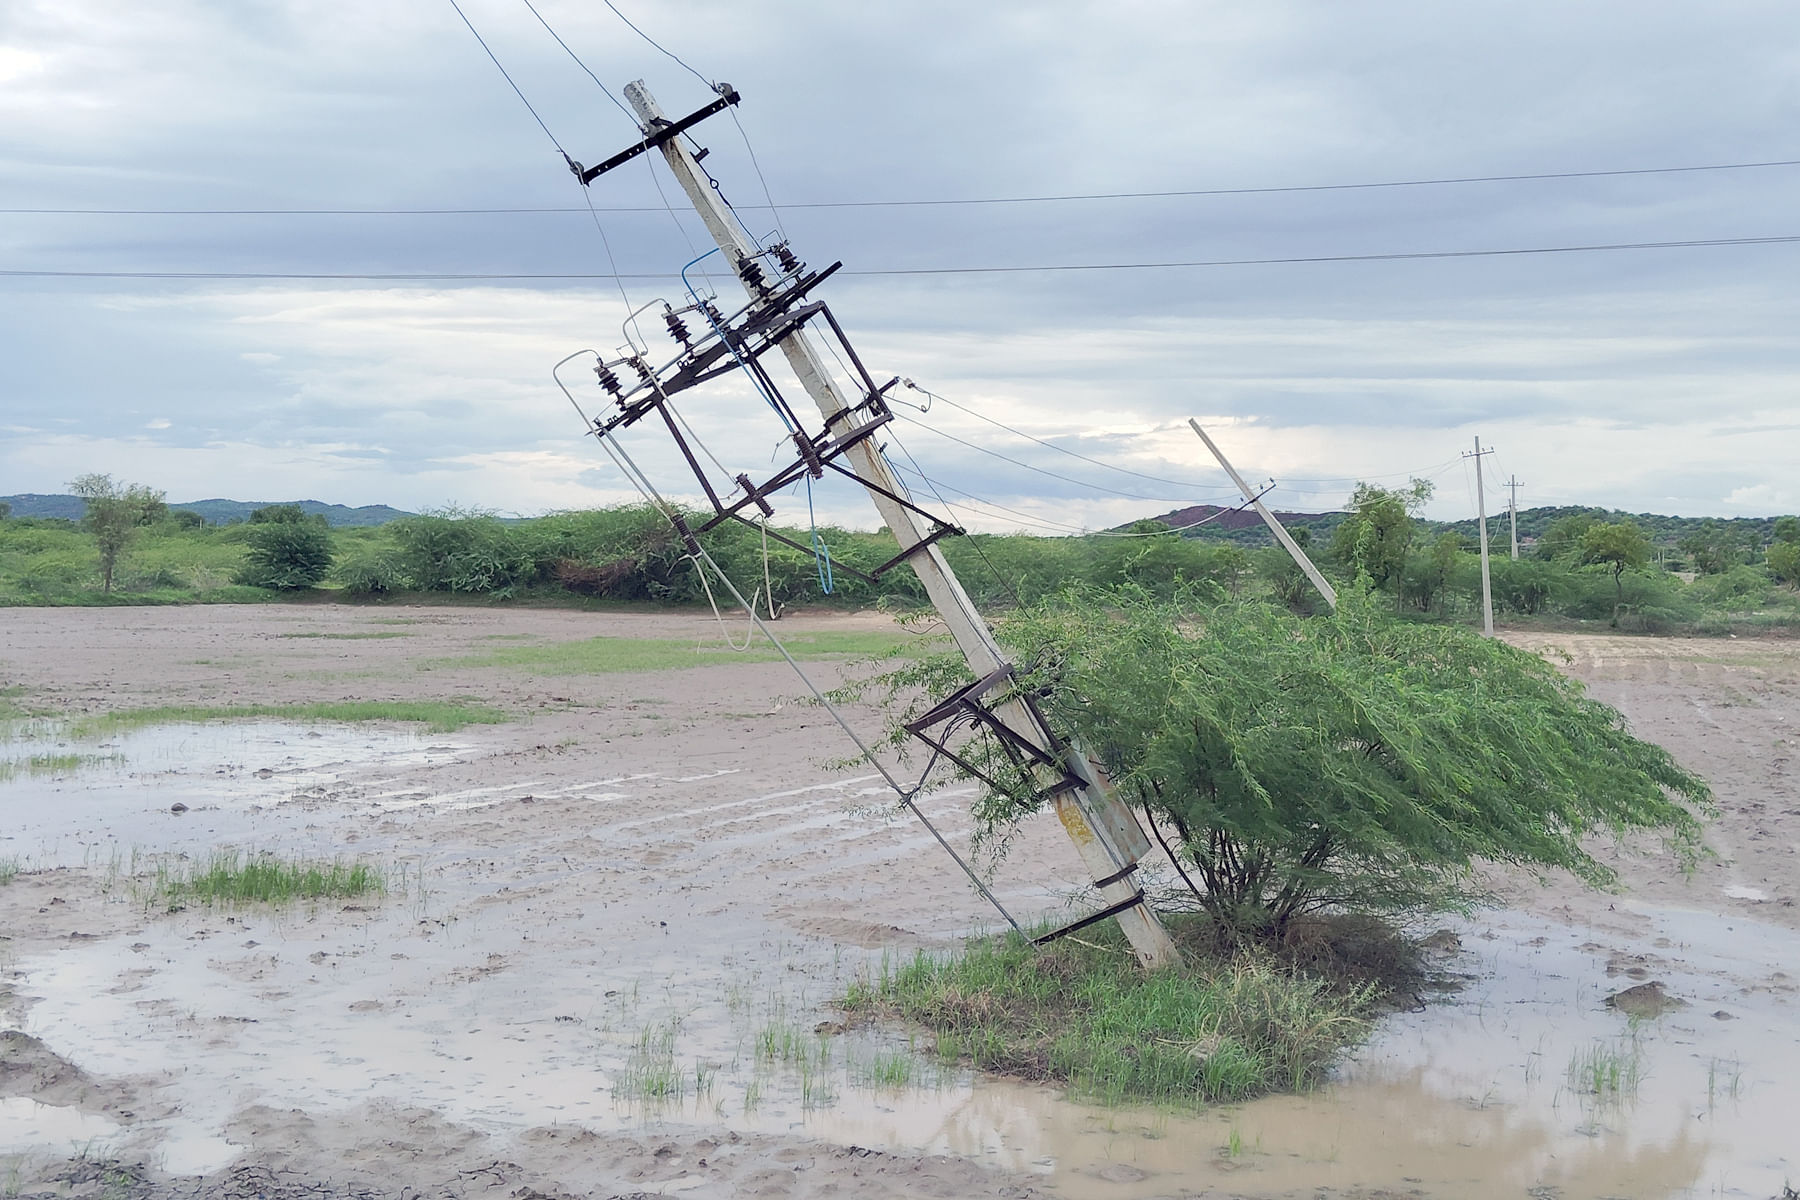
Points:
(1275, 527)
(1487, 591)
(1104, 832)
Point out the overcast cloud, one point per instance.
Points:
(1655, 380)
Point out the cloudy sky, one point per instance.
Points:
(1657, 380)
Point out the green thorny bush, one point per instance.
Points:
(1344, 762)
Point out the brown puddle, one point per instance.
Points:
(524, 987)
(1525, 1083)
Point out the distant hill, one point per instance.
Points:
(1246, 528)
(213, 512)
(1243, 526)
(224, 512)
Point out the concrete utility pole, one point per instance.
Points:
(1105, 833)
(1512, 509)
(1275, 527)
(1487, 591)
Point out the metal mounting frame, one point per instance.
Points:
(672, 129)
(763, 325)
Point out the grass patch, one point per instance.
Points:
(1609, 1071)
(650, 1073)
(440, 716)
(9, 870)
(232, 878)
(605, 655)
(1211, 1030)
(50, 764)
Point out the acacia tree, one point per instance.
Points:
(1347, 761)
(114, 514)
(288, 549)
(1619, 545)
(1376, 538)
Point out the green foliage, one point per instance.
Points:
(1785, 531)
(1739, 589)
(1618, 546)
(286, 554)
(1522, 586)
(114, 513)
(1712, 549)
(1563, 539)
(1784, 562)
(1346, 761)
(229, 878)
(440, 716)
(1376, 539)
(1211, 1030)
(281, 514)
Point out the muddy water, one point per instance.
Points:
(238, 781)
(474, 997)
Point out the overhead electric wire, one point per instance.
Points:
(1186, 483)
(891, 272)
(917, 203)
(619, 104)
(509, 81)
(1046, 472)
(658, 45)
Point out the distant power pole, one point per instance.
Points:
(1512, 509)
(1487, 591)
(1281, 535)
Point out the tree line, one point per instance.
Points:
(130, 546)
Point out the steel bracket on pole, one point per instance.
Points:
(670, 129)
(1024, 770)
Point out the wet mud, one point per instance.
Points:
(614, 925)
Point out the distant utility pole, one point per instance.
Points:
(1512, 509)
(1487, 591)
(1281, 535)
(1104, 831)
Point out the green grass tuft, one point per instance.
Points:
(606, 655)
(1210, 1030)
(440, 716)
(50, 764)
(232, 878)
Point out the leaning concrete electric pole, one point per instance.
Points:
(1487, 591)
(1105, 833)
(1275, 527)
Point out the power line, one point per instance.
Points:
(1048, 473)
(658, 45)
(1186, 483)
(892, 272)
(617, 103)
(915, 203)
(509, 81)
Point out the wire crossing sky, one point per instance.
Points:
(257, 255)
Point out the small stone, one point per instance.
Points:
(178, 807)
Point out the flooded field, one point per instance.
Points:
(612, 928)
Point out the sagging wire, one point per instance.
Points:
(908, 796)
(1072, 530)
(931, 395)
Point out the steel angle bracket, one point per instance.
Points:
(664, 132)
(1111, 910)
(972, 707)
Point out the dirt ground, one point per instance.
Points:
(634, 856)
